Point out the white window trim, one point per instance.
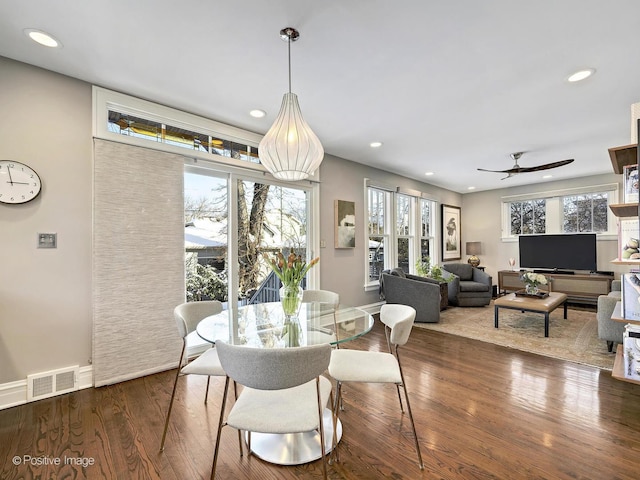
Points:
(553, 209)
(105, 100)
(433, 250)
(391, 234)
(389, 254)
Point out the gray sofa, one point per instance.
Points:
(417, 292)
(470, 287)
(609, 330)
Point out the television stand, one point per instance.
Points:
(556, 271)
(579, 287)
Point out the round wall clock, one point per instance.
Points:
(19, 183)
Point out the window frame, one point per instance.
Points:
(555, 211)
(390, 232)
(105, 100)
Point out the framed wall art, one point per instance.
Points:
(451, 249)
(630, 182)
(345, 227)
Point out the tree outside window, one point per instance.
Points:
(585, 213)
(528, 217)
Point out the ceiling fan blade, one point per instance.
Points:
(511, 171)
(545, 166)
(493, 171)
(518, 169)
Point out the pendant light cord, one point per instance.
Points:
(289, 49)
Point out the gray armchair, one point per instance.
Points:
(609, 330)
(470, 287)
(417, 292)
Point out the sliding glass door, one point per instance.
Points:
(257, 217)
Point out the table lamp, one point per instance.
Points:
(473, 249)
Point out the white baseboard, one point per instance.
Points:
(13, 394)
(372, 308)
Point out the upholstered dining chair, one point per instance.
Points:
(284, 392)
(187, 315)
(321, 296)
(330, 298)
(377, 367)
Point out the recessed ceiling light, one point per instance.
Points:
(257, 113)
(471, 188)
(547, 176)
(42, 38)
(375, 144)
(428, 173)
(581, 75)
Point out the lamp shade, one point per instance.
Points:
(290, 150)
(473, 248)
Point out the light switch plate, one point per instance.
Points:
(47, 240)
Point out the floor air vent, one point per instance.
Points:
(52, 383)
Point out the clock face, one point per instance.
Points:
(18, 182)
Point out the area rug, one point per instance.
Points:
(575, 339)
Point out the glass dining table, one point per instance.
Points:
(263, 325)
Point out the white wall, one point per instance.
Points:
(45, 295)
(343, 270)
(482, 217)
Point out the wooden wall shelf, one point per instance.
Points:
(617, 261)
(622, 210)
(621, 156)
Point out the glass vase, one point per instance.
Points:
(291, 299)
(292, 332)
(531, 289)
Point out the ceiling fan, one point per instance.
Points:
(518, 169)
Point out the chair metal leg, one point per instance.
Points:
(206, 393)
(235, 394)
(334, 421)
(336, 407)
(173, 395)
(321, 425)
(413, 425)
(220, 425)
(399, 398)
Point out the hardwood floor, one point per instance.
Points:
(482, 411)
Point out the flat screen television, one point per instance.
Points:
(566, 252)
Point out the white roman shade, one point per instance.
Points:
(138, 260)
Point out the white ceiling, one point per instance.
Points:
(448, 86)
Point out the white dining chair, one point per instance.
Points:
(187, 315)
(321, 296)
(377, 367)
(284, 392)
(330, 298)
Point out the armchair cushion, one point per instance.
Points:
(462, 270)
